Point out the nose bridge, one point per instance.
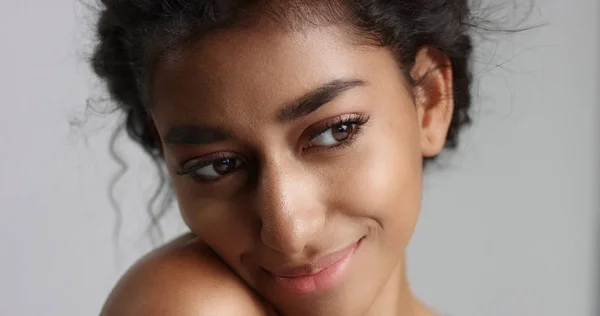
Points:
(289, 212)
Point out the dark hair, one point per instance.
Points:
(133, 35)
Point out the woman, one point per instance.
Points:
(295, 134)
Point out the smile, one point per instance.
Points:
(318, 275)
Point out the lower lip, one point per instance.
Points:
(320, 281)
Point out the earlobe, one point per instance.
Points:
(433, 94)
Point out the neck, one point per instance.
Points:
(396, 297)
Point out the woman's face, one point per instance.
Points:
(296, 156)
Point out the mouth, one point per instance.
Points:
(319, 275)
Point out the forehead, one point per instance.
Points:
(255, 69)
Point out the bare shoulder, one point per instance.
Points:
(182, 278)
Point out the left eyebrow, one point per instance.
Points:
(316, 98)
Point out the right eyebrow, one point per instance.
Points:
(195, 135)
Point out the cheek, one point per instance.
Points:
(224, 225)
(385, 180)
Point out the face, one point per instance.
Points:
(297, 157)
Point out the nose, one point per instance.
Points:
(290, 212)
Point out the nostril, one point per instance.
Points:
(285, 236)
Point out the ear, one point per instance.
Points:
(432, 74)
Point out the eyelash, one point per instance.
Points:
(358, 120)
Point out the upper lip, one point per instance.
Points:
(315, 266)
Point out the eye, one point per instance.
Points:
(211, 170)
(336, 132)
(334, 135)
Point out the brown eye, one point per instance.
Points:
(341, 132)
(334, 135)
(212, 170)
(225, 166)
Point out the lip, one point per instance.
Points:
(318, 275)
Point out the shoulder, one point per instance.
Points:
(182, 278)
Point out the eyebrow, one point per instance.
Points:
(315, 99)
(310, 102)
(196, 135)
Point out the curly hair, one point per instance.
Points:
(134, 34)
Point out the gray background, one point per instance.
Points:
(510, 221)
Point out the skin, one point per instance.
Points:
(291, 196)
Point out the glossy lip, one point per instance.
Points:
(318, 275)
